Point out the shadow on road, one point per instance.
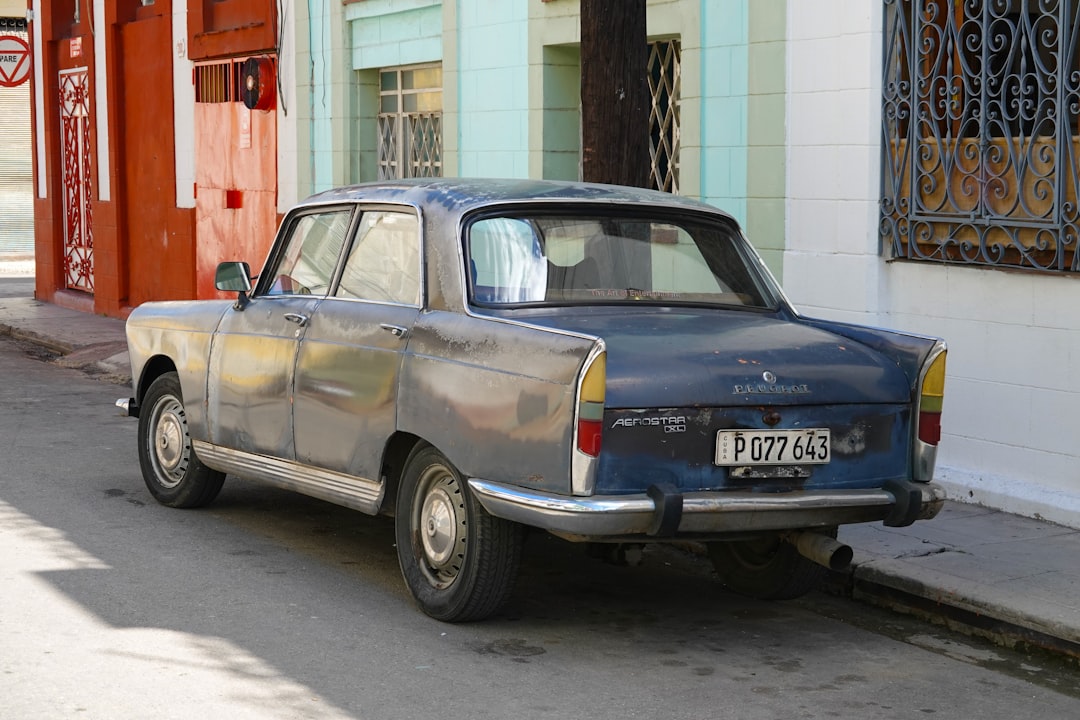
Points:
(313, 592)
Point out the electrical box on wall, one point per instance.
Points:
(257, 83)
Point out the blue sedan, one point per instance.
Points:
(475, 357)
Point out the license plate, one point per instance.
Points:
(772, 447)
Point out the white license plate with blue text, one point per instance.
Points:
(772, 447)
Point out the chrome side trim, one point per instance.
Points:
(352, 492)
(702, 512)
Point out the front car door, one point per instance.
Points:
(347, 368)
(250, 386)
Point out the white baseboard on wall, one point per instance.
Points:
(1019, 496)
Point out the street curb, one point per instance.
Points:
(945, 604)
(38, 339)
(107, 360)
(878, 583)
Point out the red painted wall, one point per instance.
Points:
(219, 28)
(236, 168)
(146, 248)
(130, 229)
(160, 237)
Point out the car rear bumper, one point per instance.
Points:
(664, 512)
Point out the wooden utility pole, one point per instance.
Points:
(614, 92)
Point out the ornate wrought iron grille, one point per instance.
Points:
(75, 149)
(980, 143)
(410, 122)
(665, 79)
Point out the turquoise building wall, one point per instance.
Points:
(382, 34)
(511, 83)
(322, 99)
(488, 69)
(722, 116)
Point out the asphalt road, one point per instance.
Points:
(14, 285)
(271, 605)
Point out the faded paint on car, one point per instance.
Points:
(460, 408)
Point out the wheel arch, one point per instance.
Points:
(154, 368)
(396, 453)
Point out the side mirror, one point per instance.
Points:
(234, 277)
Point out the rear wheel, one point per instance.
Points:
(174, 476)
(766, 568)
(459, 562)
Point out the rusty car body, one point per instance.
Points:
(473, 357)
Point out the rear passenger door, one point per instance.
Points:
(347, 367)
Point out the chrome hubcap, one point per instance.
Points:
(439, 532)
(440, 525)
(170, 442)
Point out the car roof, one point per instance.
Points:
(460, 195)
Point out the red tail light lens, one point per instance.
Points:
(589, 436)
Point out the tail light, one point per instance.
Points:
(931, 394)
(590, 410)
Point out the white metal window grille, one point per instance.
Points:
(665, 78)
(980, 137)
(410, 122)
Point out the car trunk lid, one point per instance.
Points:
(683, 358)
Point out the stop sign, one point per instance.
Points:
(14, 61)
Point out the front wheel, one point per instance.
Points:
(173, 474)
(459, 562)
(766, 568)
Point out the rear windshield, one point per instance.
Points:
(600, 258)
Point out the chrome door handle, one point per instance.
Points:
(395, 330)
(297, 318)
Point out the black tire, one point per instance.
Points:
(173, 474)
(459, 562)
(766, 568)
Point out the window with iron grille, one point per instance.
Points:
(664, 86)
(410, 122)
(218, 82)
(980, 143)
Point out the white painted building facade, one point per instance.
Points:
(1013, 384)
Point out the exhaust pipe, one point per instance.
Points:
(822, 549)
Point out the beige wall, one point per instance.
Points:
(12, 8)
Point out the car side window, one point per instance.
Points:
(306, 266)
(384, 260)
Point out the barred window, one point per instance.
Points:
(410, 122)
(980, 142)
(665, 78)
(218, 82)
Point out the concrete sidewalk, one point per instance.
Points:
(1012, 579)
(89, 342)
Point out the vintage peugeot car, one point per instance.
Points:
(472, 357)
